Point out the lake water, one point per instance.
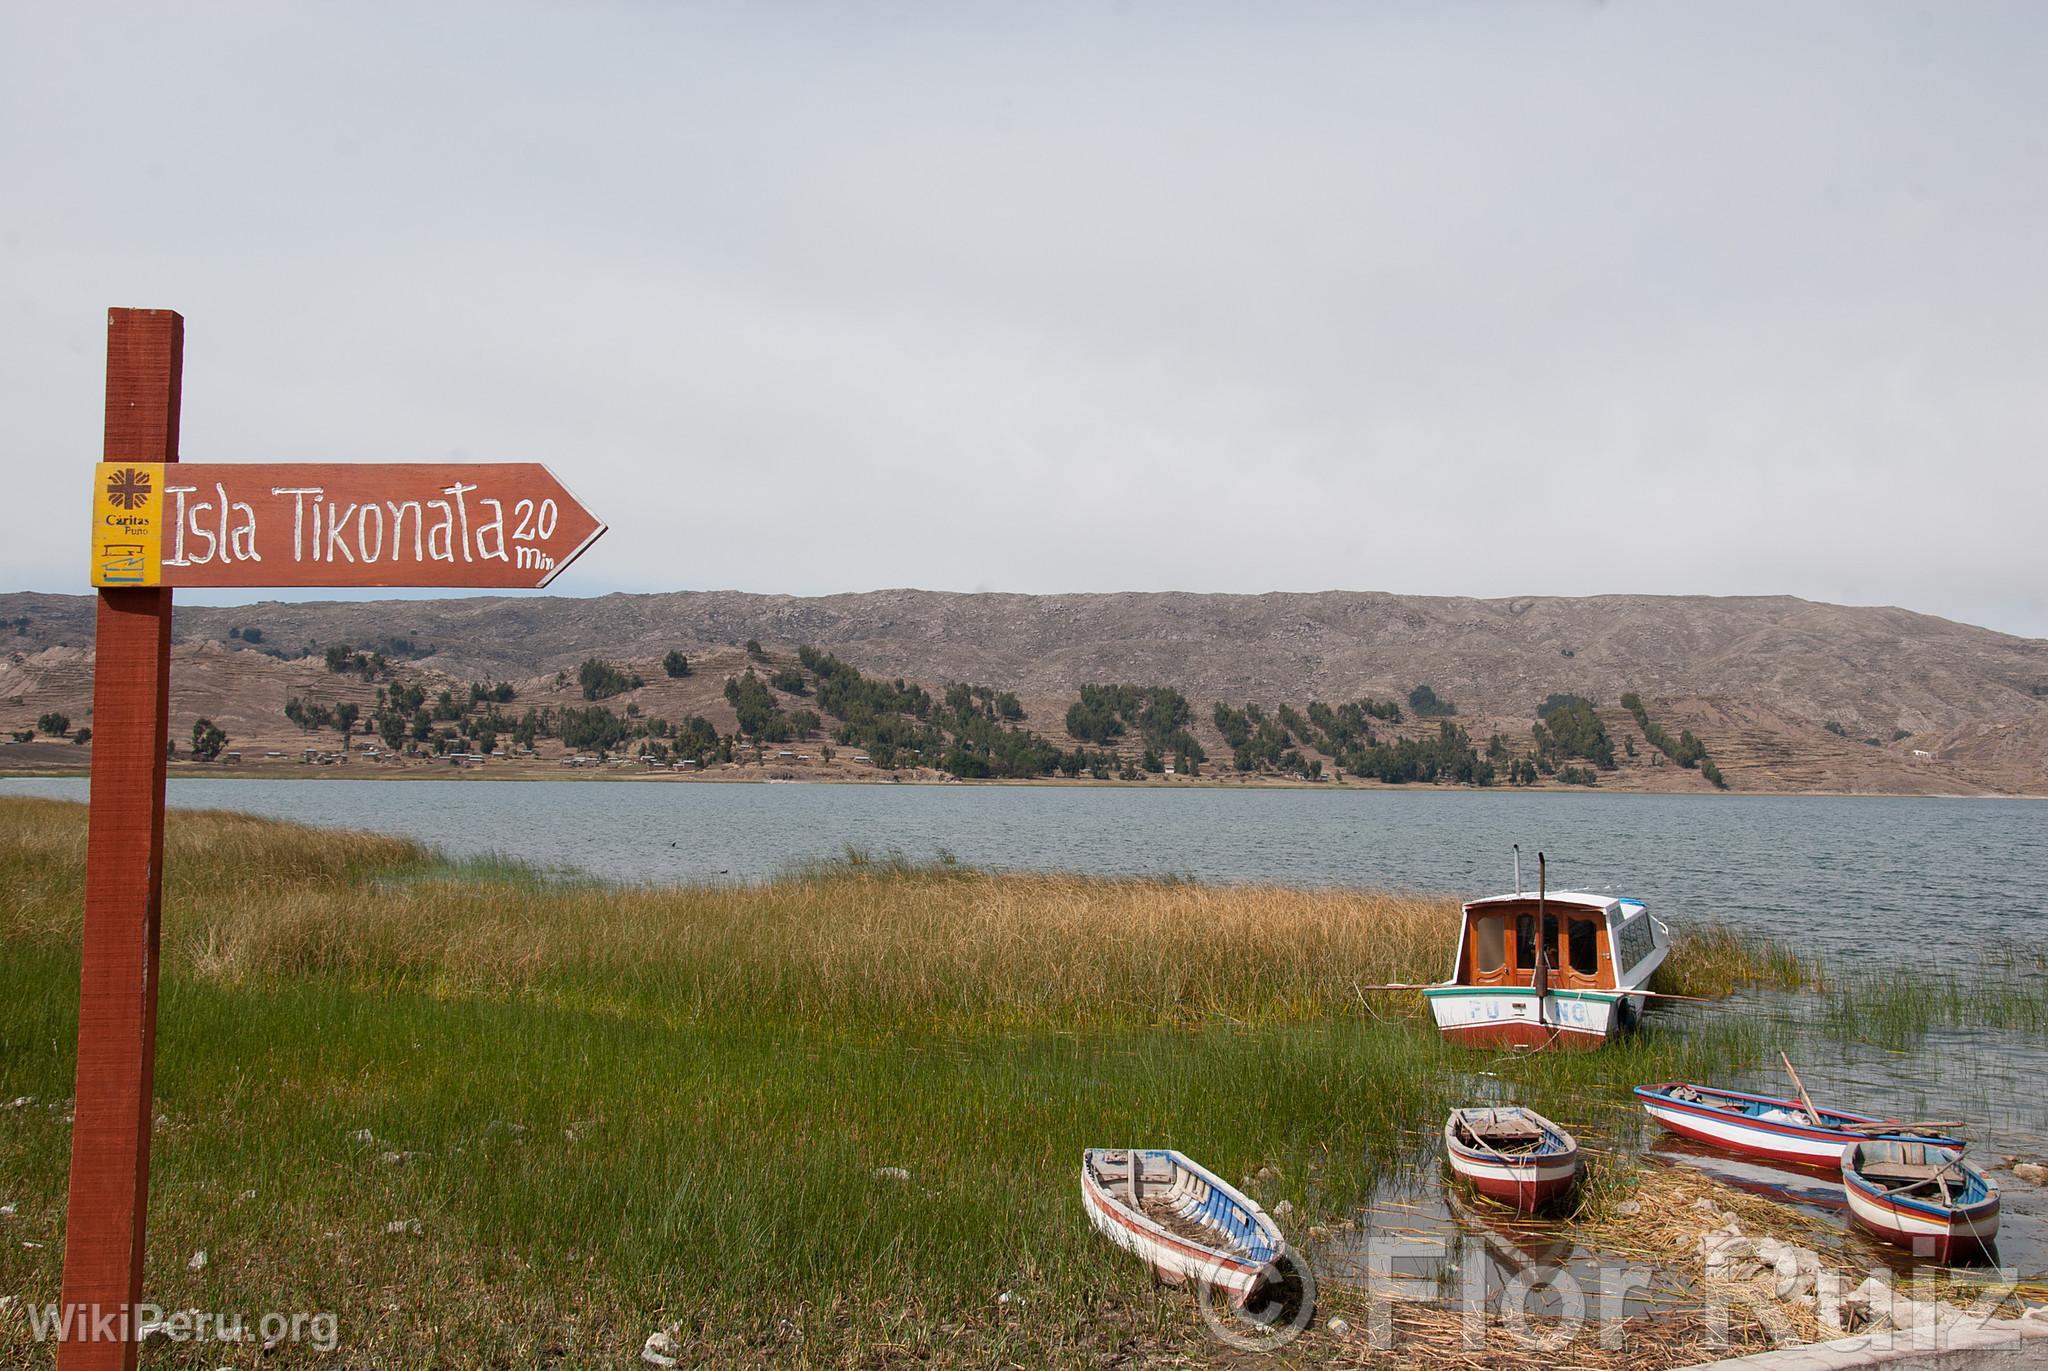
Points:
(1858, 880)
(1865, 884)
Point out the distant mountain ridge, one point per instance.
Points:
(1778, 665)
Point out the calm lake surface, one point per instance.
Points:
(1860, 880)
(1867, 885)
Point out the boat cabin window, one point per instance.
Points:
(1525, 940)
(1582, 946)
(1490, 943)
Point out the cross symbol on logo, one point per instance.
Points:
(129, 488)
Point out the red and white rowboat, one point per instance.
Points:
(1762, 1126)
(1921, 1197)
(1183, 1219)
(1511, 1154)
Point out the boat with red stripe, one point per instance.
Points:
(1765, 1126)
(1185, 1221)
(1921, 1196)
(1512, 1155)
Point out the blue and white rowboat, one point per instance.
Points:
(1921, 1197)
(1181, 1218)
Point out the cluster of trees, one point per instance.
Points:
(1427, 705)
(1260, 743)
(970, 731)
(208, 740)
(762, 716)
(1158, 715)
(1685, 749)
(55, 725)
(1449, 756)
(371, 666)
(1570, 727)
(403, 717)
(675, 664)
(601, 680)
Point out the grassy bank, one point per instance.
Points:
(611, 1110)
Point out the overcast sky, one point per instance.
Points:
(1558, 298)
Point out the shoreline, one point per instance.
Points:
(295, 772)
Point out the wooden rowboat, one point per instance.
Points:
(1182, 1219)
(1763, 1126)
(1511, 1154)
(1922, 1197)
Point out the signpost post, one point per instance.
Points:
(160, 523)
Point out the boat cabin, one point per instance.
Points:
(1591, 942)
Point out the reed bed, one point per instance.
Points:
(854, 943)
(1897, 1009)
(617, 1109)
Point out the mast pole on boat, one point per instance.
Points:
(1542, 976)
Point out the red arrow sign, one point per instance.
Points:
(334, 524)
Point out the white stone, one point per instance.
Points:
(1283, 1209)
(408, 1228)
(19, 1102)
(363, 1136)
(6, 1211)
(892, 1173)
(1339, 1327)
(198, 1262)
(661, 1349)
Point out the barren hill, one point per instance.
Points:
(1759, 679)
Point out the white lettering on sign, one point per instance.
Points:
(218, 528)
(225, 528)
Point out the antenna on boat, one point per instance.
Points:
(1518, 868)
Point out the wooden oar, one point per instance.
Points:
(1812, 1114)
(1923, 1180)
(1901, 1126)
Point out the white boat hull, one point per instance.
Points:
(1508, 1017)
(1197, 1198)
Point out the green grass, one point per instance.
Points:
(1898, 1009)
(642, 1107)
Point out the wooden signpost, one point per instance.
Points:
(160, 523)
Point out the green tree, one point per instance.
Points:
(675, 664)
(1424, 703)
(345, 716)
(82, 737)
(601, 680)
(596, 729)
(391, 728)
(54, 724)
(207, 740)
